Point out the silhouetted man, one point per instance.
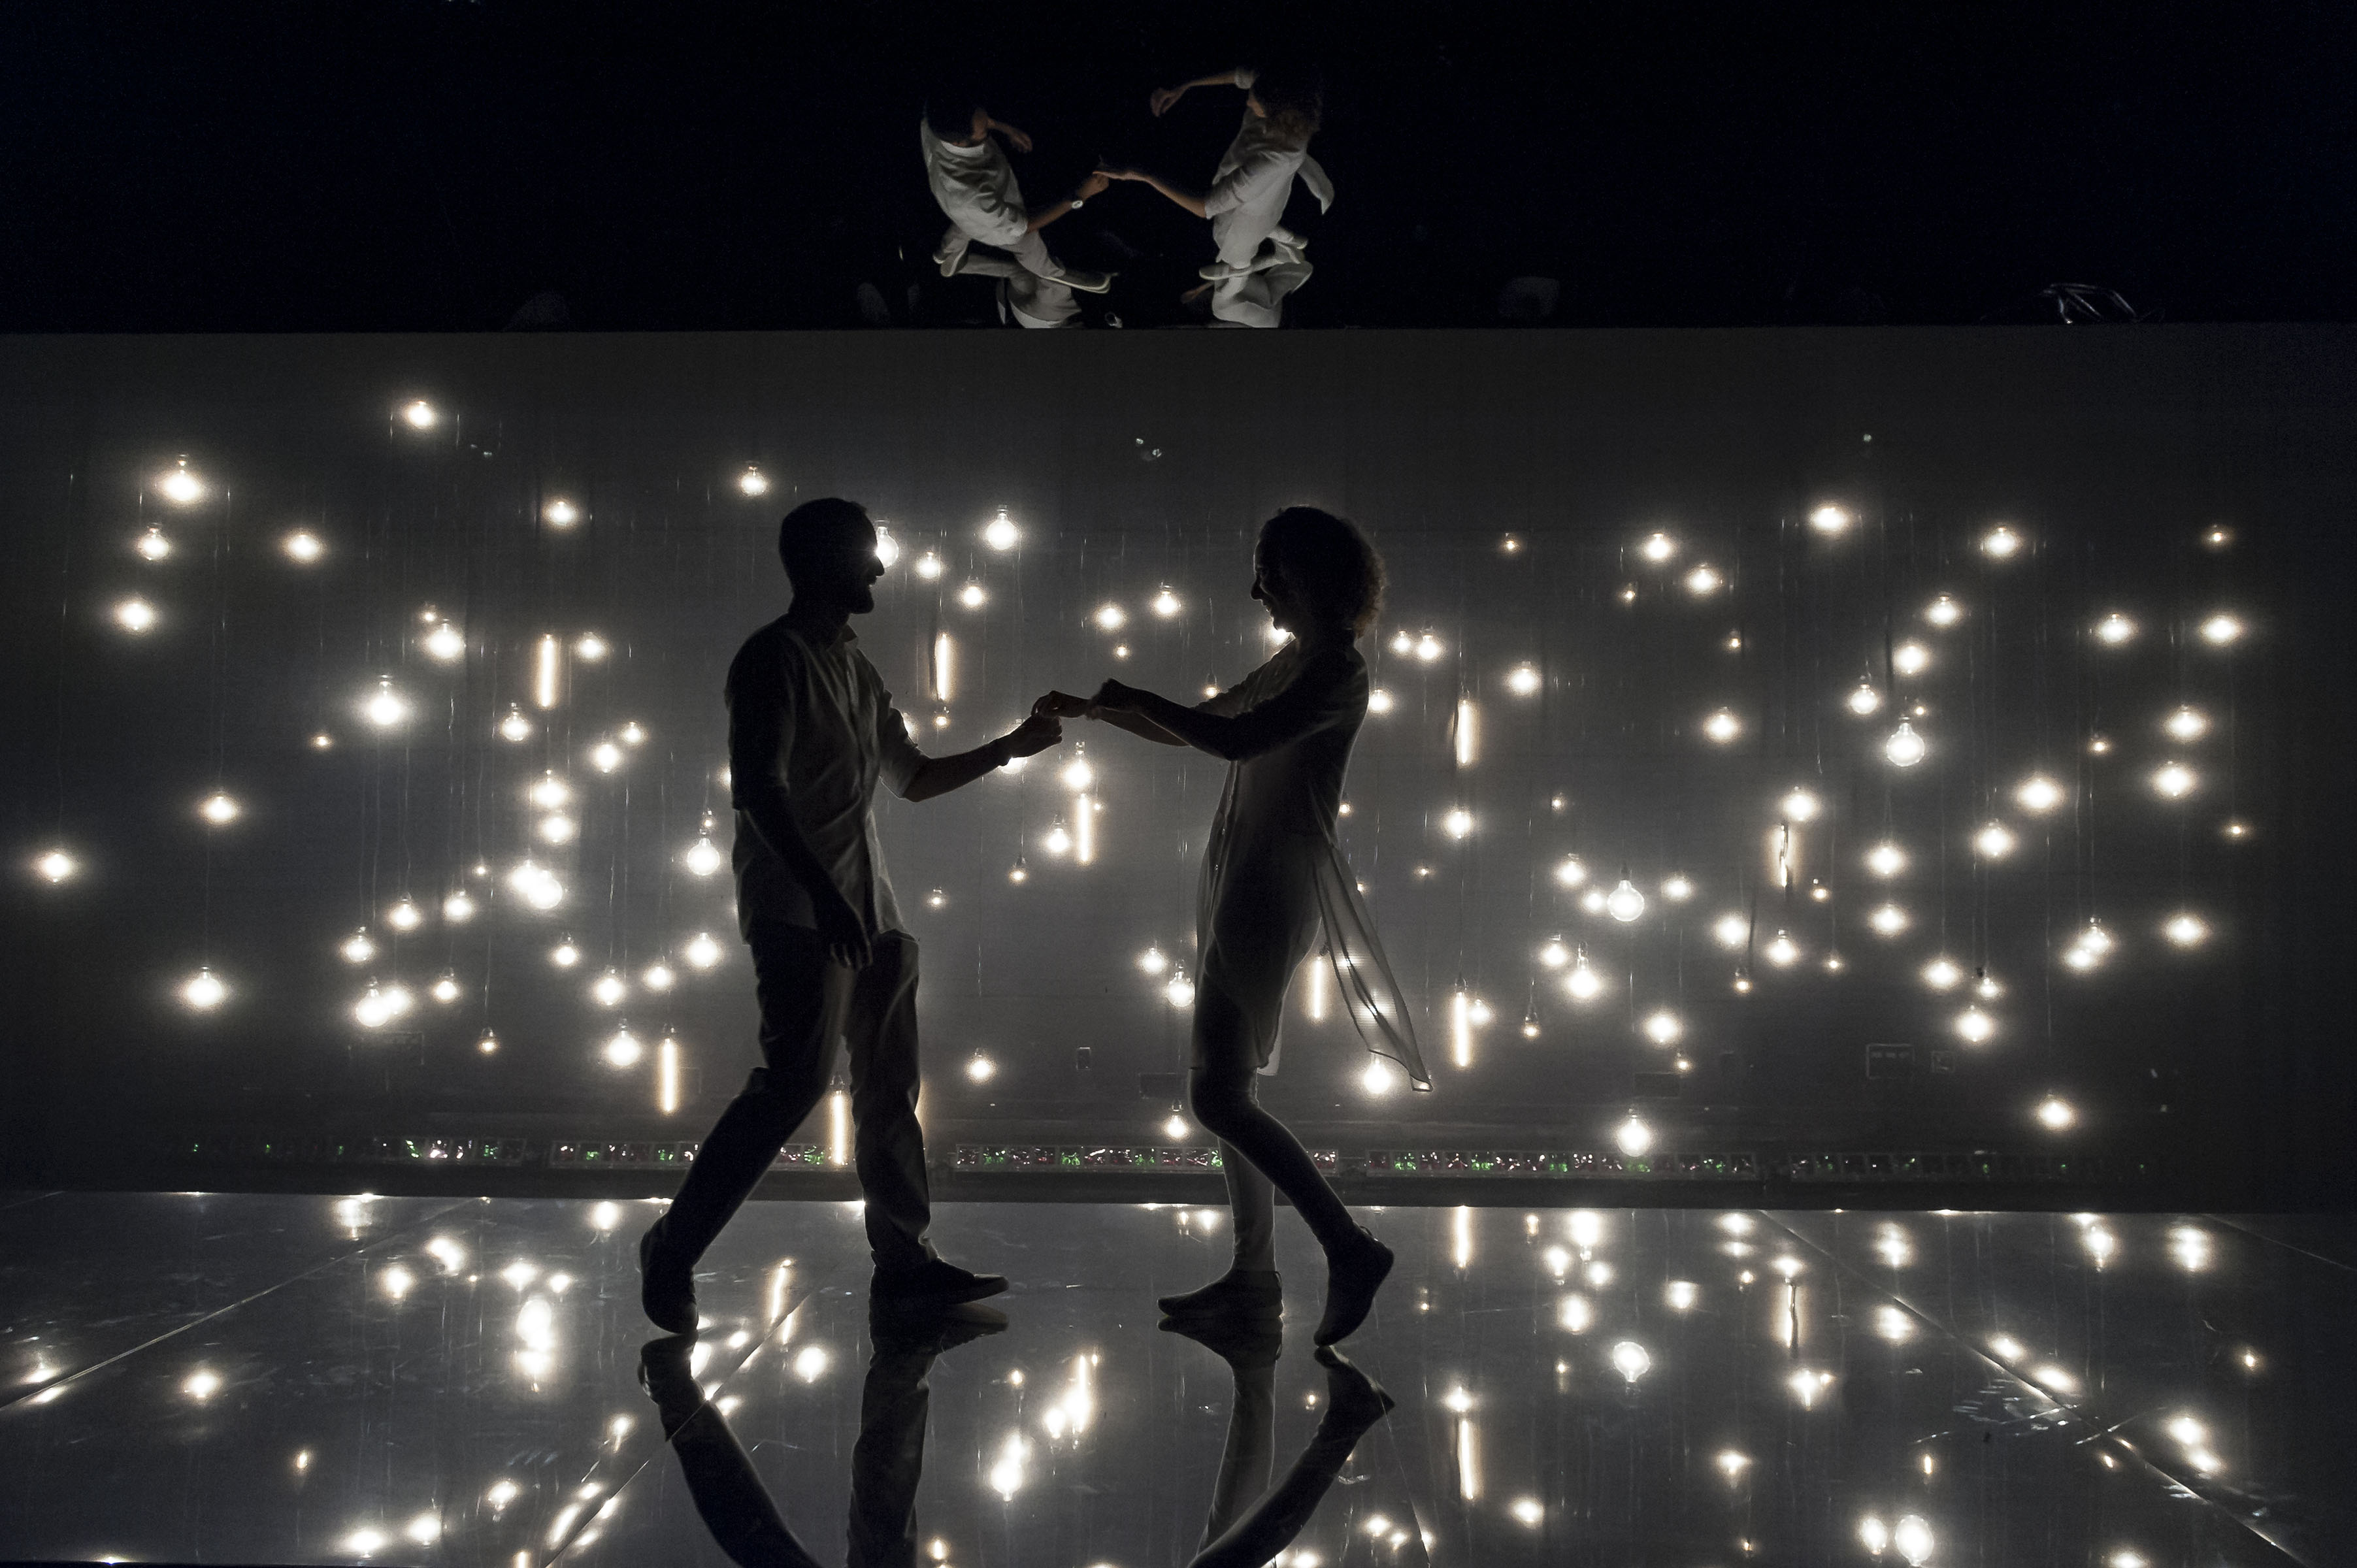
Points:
(811, 731)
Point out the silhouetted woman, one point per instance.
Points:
(1260, 261)
(1274, 880)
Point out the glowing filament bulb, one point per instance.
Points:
(153, 545)
(219, 809)
(1874, 1535)
(1702, 579)
(1975, 1025)
(752, 482)
(1783, 951)
(1427, 648)
(1663, 1027)
(971, 595)
(608, 990)
(204, 991)
(2186, 930)
(135, 614)
(1402, 643)
(1457, 822)
(561, 513)
(1913, 1539)
(404, 917)
(1523, 681)
(1942, 973)
(1625, 903)
(2055, 1114)
(1800, 806)
(703, 857)
(701, 951)
(604, 757)
(1165, 603)
(591, 647)
(558, 828)
(1180, 992)
(565, 955)
(385, 709)
(1943, 611)
(980, 1068)
(1378, 700)
(2174, 781)
(1633, 1137)
(2187, 725)
(180, 487)
(624, 1050)
(1828, 519)
(515, 727)
(1000, 533)
(888, 549)
(1059, 840)
(2038, 793)
(1677, 889)
(444, 989)
(302, 547)
(56, 865)
(1151, 961)
(1555, 955)
(1886, 859)
(1865, 700)
(2115, 629)
(1378, 1079)
(1905, 748)
(446, 643)
(1731, 929)
(357, 949)
(1911, 659)
(1887, 921)
(1582, 983)
(2221, 629)
(1111, 617)
(2000, 542)
(1019, 871)
(1994, 842)
(1077, 774)
(1570, 871)
(929, 567)
(1658, 547)
(370, 1011)
(1722, 726)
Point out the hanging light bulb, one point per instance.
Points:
(1165, 603)
(1658, 547)
(624, 1050)
(1722, 726)
(1180, 992)
(929, 567)
(1911, 659)
(658, 976)
(1800, 806)
(2186, 929)
(1942, 973)
(1555, 955)
(1676, 888)
(1020, 871)
(1427, 648)
(2000, 542)
(1784, 951)
(2221, 629)
(404, 917)
(371, 1011)
(1887, 921)
(590, 646)
(1913, 1539)
(219, 809)
(1522, 679)
(558, 828)
(1151, 961)
(1985, 988)
(608, 989)
(2038, 793)
(356, 948)
(1059, 840)
(1994, 842)
(1975, 1025)
(1378, 1079)
(752, 482)
(703, 857)
(1625, 903)
(446, 643)
(561, 513)
(445, 988)
(2174, 781)
(487, 1044)
(302, 547)
(1662, 1027)
(2054, 1114)
(1731, 929)
(1633, 1136)
(888, 549)
(1886, 859)
(1905, 748)
(701, 951)
(152, 545)
(971, 595)
(565, 955)
(180, 487)
(1865, 700)
(203, 991)
(604, 757)
(1943, 611)
(2186, 725)
(385, 708)
(56, 865)
(1111, 617)
(515, 727)
(1570, 871)
(1000, 533)
(1583, 984)
(1077, 774)
(2115, 629)
(1828, 519)
(1457, 822)
(1702, 579)
(135, 614)
(631, 734)
(550, 792)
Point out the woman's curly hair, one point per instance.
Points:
(1328, 561)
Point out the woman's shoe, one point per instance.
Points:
(1238, 1292)
(1352, 1397)
(1352, 1278)
(666, 1289)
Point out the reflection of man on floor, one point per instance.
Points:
(811, 731)
(991, 234)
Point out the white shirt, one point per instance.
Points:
(817, 724)
(1254, 178)
(976, 189)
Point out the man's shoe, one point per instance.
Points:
(666, 1288)
(666, 1372)
(1251, 1293)
(1245, 1341)
(934, 1280)
(1352, 1277)
(1086, 281)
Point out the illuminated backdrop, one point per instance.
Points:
(1778, 736)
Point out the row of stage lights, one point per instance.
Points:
(387, 708)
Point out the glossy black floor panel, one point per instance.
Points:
(281, 1380)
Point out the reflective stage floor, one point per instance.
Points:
(273, 1378)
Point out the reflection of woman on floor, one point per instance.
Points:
(1260, 261)
(1274, 878)
(1249, 1522)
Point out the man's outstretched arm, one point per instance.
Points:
(939, 774)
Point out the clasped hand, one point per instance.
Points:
(1112, 697)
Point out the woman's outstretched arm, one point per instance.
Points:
(1309, 703)
(1065, 705)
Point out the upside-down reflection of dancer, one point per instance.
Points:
(1274, 878)
(1259, 260)
(991, 232)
